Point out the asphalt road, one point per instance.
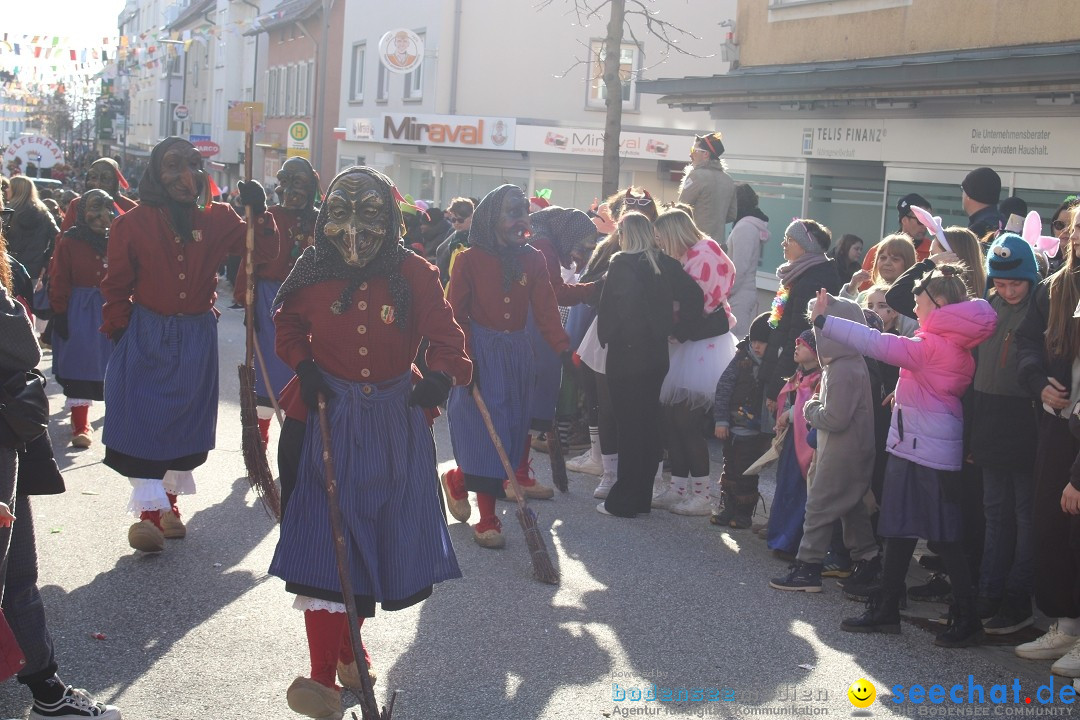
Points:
(201, 631)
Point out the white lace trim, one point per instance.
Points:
(179, 482)
(147, 494)
(77, 402)
(304, 603)
(264, 413)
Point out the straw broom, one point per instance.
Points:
(543, 569)
(369, 706)
(260, 477)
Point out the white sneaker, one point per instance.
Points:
(668, 499)
(1050, 646)
(586, 463)
(693, 504)
(1068, 665)
(606, 483)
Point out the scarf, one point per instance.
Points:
(754, 213)
(322, 261)
(804, 384)
(565, 228)
(482, 234)
(789, 272)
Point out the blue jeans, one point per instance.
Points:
(1009, 549)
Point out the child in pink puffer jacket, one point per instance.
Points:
(921, 492)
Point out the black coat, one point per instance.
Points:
(779, 360)
(31, 239)
(636, 316)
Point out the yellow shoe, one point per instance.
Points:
(491, 539)
(173, 526)
(349, 675)
(458, 507)
(538, 492)
(145, 536)
(307, 697)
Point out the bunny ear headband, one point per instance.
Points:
(1033, 236)
(933, 224)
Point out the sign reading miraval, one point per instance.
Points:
(449, 131)
(585, 141)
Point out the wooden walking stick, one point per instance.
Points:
(258, 468)
(269, 388)
(369, 706)
(543, 569)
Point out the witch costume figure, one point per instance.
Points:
(295, 218)
(351, 317)
(161, 385)
(494, 287)
(80, 351)
(103, 174)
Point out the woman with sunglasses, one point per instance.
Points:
(459, 215)
(1061, 228)
(922, 490)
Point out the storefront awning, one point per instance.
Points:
(1047, 72)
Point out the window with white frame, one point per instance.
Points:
(282, 96)
(414, 81)
(271, 92)
(303, 76)
(382, 92)
(629, 66)
(356, 80)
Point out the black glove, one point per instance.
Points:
(255, 320)
(432, 390)
(117, 334)
(567, 358)
(252, 195)
(312, 383)
(60, 326)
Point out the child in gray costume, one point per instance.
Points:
(839, 477)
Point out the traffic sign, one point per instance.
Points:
(180, 112)
(207, 148)
(299, 143)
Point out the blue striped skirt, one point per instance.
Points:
(547, 369)
(280, 373)
(161, 386)
(85, 354)
(503, 368)
(396, 539)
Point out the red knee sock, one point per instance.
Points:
(346, 655)
(455, 482)
(153, 516)
(324, 630)
(264, 430)
(79, 422)
(172, 502)
(523, 473)
(488, 521)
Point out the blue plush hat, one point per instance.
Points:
(1011, 258)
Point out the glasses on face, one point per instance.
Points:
(641, 201)
(1058, 225)
(455, 220)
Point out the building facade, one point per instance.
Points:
(839, 108)
(509, 92)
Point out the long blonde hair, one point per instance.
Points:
(636, 236)
(676, 232)
(24, 195)
(5, 266)
(1062, 333)
(966, 247)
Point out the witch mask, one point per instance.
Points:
(98, 211)
(358, 216)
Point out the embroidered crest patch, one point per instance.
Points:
(523, 280)
(387, 314)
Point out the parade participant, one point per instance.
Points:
(104, 174)
(32, 232)
(352, 314)
(708, 189)
(80, 351)
(161, 385)
(566, 237)
(493, 287)
(295, 218)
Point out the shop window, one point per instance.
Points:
(414, 81)
(629, 66)
(944, 197)
(780, 198)
(848, 200)
(476, 182)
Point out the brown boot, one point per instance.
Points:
(146, 535)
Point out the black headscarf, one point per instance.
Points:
(81, 231)
(322, 261)
(482, 234)
(154, 194)
(566, 228)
